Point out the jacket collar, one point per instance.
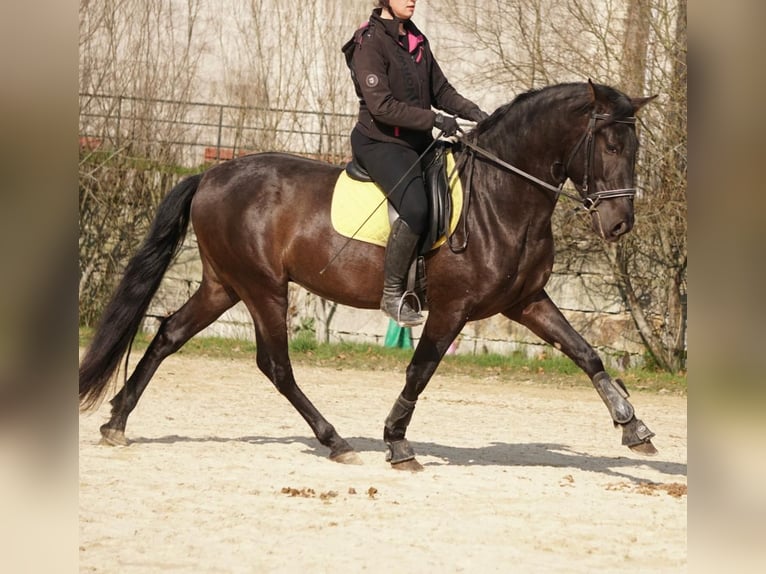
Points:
(392, 26)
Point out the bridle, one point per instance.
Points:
(588, 200)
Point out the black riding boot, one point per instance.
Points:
(400, 251)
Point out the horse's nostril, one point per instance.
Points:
(619, 229)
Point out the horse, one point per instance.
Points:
(263, 221)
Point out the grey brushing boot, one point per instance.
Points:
(400, 251)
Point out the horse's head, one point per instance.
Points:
(602, 163)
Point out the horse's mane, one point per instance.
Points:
(573, 96)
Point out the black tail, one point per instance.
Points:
(124, 313)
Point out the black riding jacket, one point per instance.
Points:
(397, 81)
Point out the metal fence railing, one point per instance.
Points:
(199, 132)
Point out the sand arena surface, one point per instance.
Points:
(222, 475)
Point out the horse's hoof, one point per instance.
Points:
(412, 465)
(644, 448)
(638, 438)
(113, 437)
(349, 457)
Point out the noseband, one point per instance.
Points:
(588, 200)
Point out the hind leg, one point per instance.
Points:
(204, 307)
(270, 319)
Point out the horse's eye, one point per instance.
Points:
(611, 148)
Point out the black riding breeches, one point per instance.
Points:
(387, 163)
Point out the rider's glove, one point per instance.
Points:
(447, 124)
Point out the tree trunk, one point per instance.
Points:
(634, 48)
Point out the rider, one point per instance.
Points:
(397, 81)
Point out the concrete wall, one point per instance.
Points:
(586, 299)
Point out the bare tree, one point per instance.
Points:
(640, 47)
(651, 266)
(280, 65)
(276, 71)
(144, 53)
(282, 70)
(634, 46)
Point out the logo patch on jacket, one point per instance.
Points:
(371, 80)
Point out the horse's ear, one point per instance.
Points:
(639, 103)
(597, 93)
(593, 90)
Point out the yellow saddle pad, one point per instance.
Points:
(354, 201)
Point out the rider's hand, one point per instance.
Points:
(447, 124)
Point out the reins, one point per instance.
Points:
(589, 201)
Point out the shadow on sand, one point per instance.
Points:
(493, 454)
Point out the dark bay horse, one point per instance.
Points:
(263, 220)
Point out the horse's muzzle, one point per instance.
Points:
(611, 224)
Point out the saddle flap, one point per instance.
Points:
(439, 197)
(357, 209)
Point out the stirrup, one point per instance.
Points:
(402, 303)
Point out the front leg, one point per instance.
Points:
(440, 330)
(541, 316)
